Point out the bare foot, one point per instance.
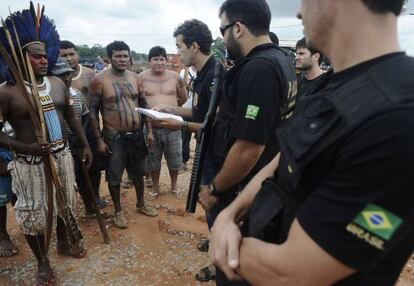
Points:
(7, 248)
(76, 251)
(45, 275)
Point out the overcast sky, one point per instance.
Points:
(143, 24)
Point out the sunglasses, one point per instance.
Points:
(223, 29)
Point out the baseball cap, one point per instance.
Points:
(61, 67)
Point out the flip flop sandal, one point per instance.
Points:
(175, 192)
(105, 215)
(153, 194)
(205, 275)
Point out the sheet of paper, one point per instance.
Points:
(158, 115)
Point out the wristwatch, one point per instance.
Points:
(213, 191)
(184, 126)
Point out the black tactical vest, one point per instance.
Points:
(321, 120)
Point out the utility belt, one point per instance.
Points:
(271, 214)
(36, 160)
(131, 135)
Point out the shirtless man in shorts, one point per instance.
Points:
(160, 86)
(114, 93)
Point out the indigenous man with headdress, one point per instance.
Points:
(31, 40)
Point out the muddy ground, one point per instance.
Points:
(150, 252)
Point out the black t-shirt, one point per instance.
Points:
(254, 93)
(359, 200)
(202, 89)
(306, 86)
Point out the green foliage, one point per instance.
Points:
(86, 52)
(218, 49)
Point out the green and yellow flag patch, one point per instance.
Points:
(378, 221)
(252, 112)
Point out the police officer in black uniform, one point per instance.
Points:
(255, 93)
(338, 207)
(193, 40)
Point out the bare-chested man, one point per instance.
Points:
(81, 80)
(114, 92)
(27, 168)
(82, 75)
(160, 86)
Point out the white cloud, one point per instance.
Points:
(143, 24)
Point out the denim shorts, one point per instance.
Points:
(5, 181)
(168, 143)
(5, 190)
(128, 151)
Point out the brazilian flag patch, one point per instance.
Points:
(252, 112)
(378, 221)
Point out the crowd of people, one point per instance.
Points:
(306, 177)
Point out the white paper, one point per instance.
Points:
(157, 114)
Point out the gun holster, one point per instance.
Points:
(271, 214)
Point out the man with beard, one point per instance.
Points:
(81, 81)
(160, 86)
(40, 41)
(114, 93)
(308, 61)
(255, 92)
(336, 207)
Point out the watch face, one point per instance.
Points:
(210, 189)
(195, 99)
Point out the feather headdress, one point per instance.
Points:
(23, 28)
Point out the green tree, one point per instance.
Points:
(96, 50)
(218, 49)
